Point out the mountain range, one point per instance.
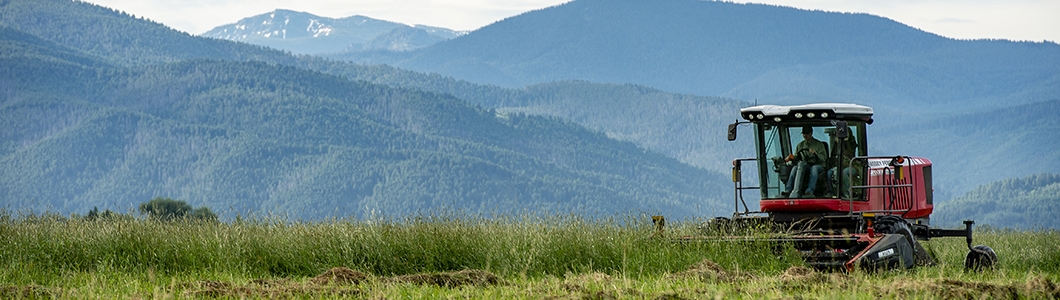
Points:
(754, 52)
(92, 73)
(304, 33)
(763, 54)
(250, 135)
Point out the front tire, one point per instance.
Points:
(897, 225)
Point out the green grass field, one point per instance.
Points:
(451, 255)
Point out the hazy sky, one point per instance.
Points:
(1033, 20)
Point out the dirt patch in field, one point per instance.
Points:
(578, 283)
(586, 283)
(210, 288)
(669, 296)
(707, 270)
(329, 283)
(264, 288)
(31, 291)
(958, 289)
(804, 276)
(1042, 287)
(598, 295)
(597, 285)
(340, 275)
(270, 282)
(451, 279)
(615, 294)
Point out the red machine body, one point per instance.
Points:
(841, 207)
(911, 202)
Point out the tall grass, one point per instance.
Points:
(540, 255)
(39, 249)
(1018, 251)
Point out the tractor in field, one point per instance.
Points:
(838, 206)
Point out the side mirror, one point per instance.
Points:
(841, 130)
(732, 131)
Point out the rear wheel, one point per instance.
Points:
(980, 258)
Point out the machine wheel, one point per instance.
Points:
(897, 225)
(979, 258)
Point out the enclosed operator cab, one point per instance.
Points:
(813, 160)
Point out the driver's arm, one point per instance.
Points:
(820, 150)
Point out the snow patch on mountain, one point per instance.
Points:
(305, 33)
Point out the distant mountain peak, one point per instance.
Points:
(280, 24)
(306, 33)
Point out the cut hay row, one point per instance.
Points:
(705, 279)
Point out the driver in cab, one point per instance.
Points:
(811, 155)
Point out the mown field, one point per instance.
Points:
(451, 255)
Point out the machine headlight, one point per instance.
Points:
(824, 115)
(776, 119)
(761, 116)
(809, 115)
(798, 115)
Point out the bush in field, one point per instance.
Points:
(167, 209)
(94, 215)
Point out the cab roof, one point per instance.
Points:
(807, 112)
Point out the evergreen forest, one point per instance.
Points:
(1027, 203)
(82, 132)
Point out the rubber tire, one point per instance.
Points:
(980, 258)
(897, 225)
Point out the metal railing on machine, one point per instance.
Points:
(896, 187)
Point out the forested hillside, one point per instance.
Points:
(258, 136)
(691, 128)
(682, 126)
(972, 149)
(1028, 202)
(687, 127)
(769, 55)
(777, 55)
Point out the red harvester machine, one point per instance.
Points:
(841, 207)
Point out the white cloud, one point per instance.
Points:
(1032, 20)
